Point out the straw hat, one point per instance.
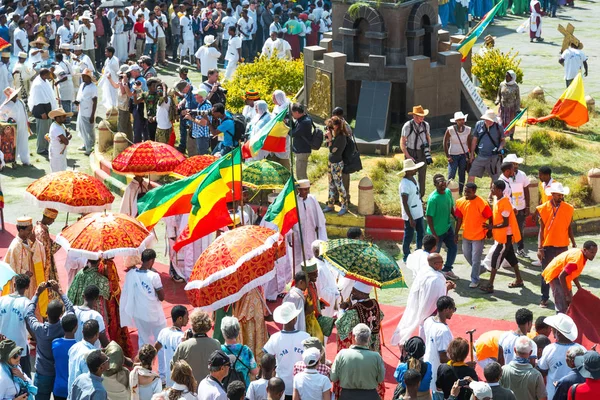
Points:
(557, 187)
(419, 110)
(459, 115)
(409, 165)
(209, 39)
(10, 94)
(285, 313)
(5, 54)
(564, 324)
(39, 40)
(59, 112)
(513, 159)
(490, 115)
(88, 72)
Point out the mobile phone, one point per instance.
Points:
(463, 382)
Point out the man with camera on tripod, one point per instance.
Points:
(416, 143)
(200, 125)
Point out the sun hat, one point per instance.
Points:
(459, 115)
(588, 364)
(311, 356)
(57, 13)
(409, 165)
(59, 112)
(490, 115)
(201, 92)
(209, 39)
(285, 313)
(513, 159)
(22, 54)
(419, 110)
(564, 324)
(481, 390)
(557, 187)
(88, 72)
(10, 93)
(134, 67)
(39, 40)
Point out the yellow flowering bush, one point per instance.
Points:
(491, 67)
(264, 75)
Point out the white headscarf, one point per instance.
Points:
(260, 119)
(512, 74)
(282, 101)
(41, 93)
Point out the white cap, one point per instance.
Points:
(57, 13)
(134, 67)
(513, 159)
(311, 356)
(481, 390)
(304, 184)
(362, 287)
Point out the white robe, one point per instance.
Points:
(109, 93)
(417, 261)
(5, 79)
(428, 287)
(66, 89)
(16, 110)
(313, 227)
(130, 198)
(327, 288)
(183, 261)
(41, 93)
(296, 297)
(74, 264)
(283, 270)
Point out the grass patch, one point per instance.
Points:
(318, 163)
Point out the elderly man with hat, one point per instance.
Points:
(207, 56)
(412, 207)
(38, 53)
(82, 60)
(12, 379)
(488, 144)
(286, 345)
(456, 147)
(200, 131)
(416, 143)
(59, 138)
(14, 108)
(556, 232)
(87, 99)
(211, 387)
(42, 235)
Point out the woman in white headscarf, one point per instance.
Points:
(260, 119)
(281, 102)
(120, 38)
(508, 100)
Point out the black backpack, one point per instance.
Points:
(239, 124)
(317, 138)
(233, 374)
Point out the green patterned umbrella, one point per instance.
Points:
(265, 174)
(363, 262)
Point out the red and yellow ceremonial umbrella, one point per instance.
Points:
(70, 191)
(194, 165)
(147, 158)
(235, 263)
(105, 235)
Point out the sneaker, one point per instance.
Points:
(474, 285)
(328, 209)
(536, 263)
(522, 253)
(343, 211)
(450, 275)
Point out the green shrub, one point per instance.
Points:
(540, 142)
(382, 172)
(581, 193)
(517, 147)
(563, 141)
(490, 68)
(264, 75)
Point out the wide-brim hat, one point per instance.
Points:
(59, 112)
(10, 94)
(459, 115)
(285, 313)
(564, 324)
(39, 40)
(557, 187)
(489, 38)
(490, 115)
(88, 72)
(588, 364)
(513, 159)
(420, 111)
(409, 165)
(209, 39)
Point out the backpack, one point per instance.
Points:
(239, 124)
(233, 374)
(316, 140)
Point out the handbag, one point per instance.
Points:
(352, 162)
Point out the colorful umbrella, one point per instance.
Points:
(3, 44)
(6, 274)
(105, 235)
(148, 158)
(363, 262)
(235, 263)
(265, 174)
(70, 191)
(194, 165)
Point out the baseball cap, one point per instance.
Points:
(481, 390)
(311, 356)
(218, 359)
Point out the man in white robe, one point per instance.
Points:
(64, 82)
(326, 285)
(296, 296)
(417, 260)
(134, 191)
(6, 79)
(111, 67)
(313, 223)
(42, 100)
(429, 286)
(14, 108)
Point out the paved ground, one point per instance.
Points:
(541, 68)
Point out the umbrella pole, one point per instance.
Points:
(241, 196)
(293, 256)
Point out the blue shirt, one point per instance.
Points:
(88, 387)
(227, 127)
(564, 384)
(245, 361)
(60, 350)
(484, 143)
(139, 79)
(425, 381)
(77, 356)
(198, 130)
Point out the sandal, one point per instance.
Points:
(487, 289)
(513, 285)
(544, 304)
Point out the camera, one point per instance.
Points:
(200, 113)
(463, 382)
(428, 159)
(497, 151)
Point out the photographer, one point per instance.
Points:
(216, 94)
(416, 143)
(488, 144)
(225, 126)
(185, 92)
(137, 85)
(200, 125)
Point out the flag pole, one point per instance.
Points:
(241, 194)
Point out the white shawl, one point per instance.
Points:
(40, 93)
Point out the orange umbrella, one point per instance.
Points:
(148, 158)
(235, 263)
(105, 235)
(70, 191)
(194, 165)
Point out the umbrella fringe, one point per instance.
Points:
(64, 207)
(238, 295)
(269, 242)
(96, 255)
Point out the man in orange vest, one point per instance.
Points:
(565, 269)
(556, 216)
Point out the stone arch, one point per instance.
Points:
(421, 32)
(363, 34)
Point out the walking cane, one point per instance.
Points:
(470, 333)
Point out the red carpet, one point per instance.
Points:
(175, 294)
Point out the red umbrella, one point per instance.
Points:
(194, 165)
(148, 158)
(235, 263)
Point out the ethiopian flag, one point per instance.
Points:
(571, 107)
(515, 120)
(270, 137)
(467, 43)
(283, 211)
(209, 201)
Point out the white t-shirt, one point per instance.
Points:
(518, 183)
(145, 12)
(152, 28)
(246, 28)
(20, 35)
(208, 57)
(574, 59)
(437, 338)
(85, 97)
(85, 314)
(12, 318)
(287, 348)
(554, 360)
(87, 36)
(257, 389)
(211, 390)
(234, 44)
(507, 342)
(227, 22)
(161, 20)
(186, 27)
(55, 146)
(414, 202)
(162, 115)
(169, 338)
(66, 34)
(311, 384)
(281, 45)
